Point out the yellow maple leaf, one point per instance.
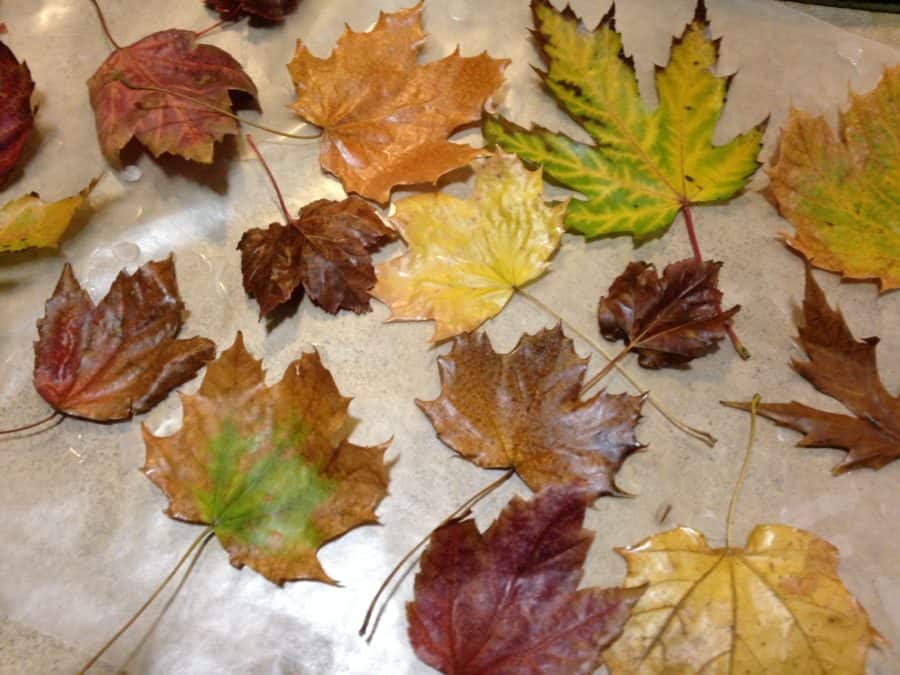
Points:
(840, 193)
(386, 119)
(30, 222)
(776, 606)
(466, 257)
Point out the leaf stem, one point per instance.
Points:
(754, 404)
(200, 541)
(209, 29)
(262, 160)
(462, 510)
(221, 111)
(103, 24)
(703, 436)
(739, 346)
(26, 427)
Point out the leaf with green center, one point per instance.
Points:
(841, 193)
(269, 469)
(466, 257)
(645, 164)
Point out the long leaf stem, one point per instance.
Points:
(200, 541)
(754, 404)
(739, 346)
(26, 427)
(221, 111)
(284, 209)
(103, 24)
(703, 436)
(209, 29)
(462, 510)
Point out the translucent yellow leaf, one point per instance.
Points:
(776, 606)
(841, 193)
(466, 257)
(29, 222)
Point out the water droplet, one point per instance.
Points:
(126, 251)
(850, 50)
(459, 10)
(167, 427)
(131, 173)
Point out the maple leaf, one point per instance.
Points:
(522, 410)
(385, 119)
(506, 603)
(269, 469)
(127, 103)
(844, 368)
(467, 257)
(326, 249)
(28, 222)
(16, 113)
(270, 10)
(667, 320)
(120, 357)
(840, 192)
(645, 164)
(776, 606)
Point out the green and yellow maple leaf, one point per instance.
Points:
(30, 222)
(268, 469)
(841, 193)
(645, 164)
(467, 257)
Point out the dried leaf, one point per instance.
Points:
(776, 606)
(840, 192)
(16, 113)
(28, 222)
(120, 357)
(467, 257)
(270, 10)
(385, 119)
(166, 122)
(523, 410)
(645, 164)
(326, 249)
(506, 603)
(669, 320)
(269, 469)
(844, 368)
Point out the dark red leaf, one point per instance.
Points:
(16, 113)
(326, 249)
(270, 10)
(506, 602)
(120, 357)
(669, 320)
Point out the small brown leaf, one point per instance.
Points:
(126, 105)
(385, 119)
(270, 10)
(670, 320)
(120, 357)
(522, 410)
(506, 602)
(16, 113)
(326, 249)
(844, 368)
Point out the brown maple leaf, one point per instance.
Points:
(128, 102)
(270, 10)
(668, 320)
(506, 602)
(522, 410)
(326, 249)
(268, 469)
(16, 113)
(844, 368)
(120, 357)
(385, 119)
